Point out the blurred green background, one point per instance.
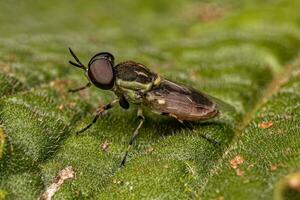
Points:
(243, 52)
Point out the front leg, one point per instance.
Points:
(134, 134)
(81, 88)
(100, 110)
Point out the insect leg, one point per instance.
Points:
(99, 112)
(210, 140)
(214, 142)
(81, 88)
(134, 134)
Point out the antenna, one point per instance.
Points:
(78, 64)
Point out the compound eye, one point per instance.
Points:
(101, 73)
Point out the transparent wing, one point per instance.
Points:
(221, 105)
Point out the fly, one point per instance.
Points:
(135, 83)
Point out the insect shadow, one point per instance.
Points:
(166, 126)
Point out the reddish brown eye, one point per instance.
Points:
(101, 73)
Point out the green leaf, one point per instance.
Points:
(243, 52)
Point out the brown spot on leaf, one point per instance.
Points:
(294, 183)
(265, 125)
(236, 161)
(6, 68)
(206, 12)
(61, 107)
(104, 146)
(212, 12)
(64, 174)
(273, 167)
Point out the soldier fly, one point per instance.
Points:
(134, 83)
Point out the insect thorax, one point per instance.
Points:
(133, 80)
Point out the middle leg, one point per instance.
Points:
(99, 112)
(134, 135)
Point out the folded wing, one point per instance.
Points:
(181, 102)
